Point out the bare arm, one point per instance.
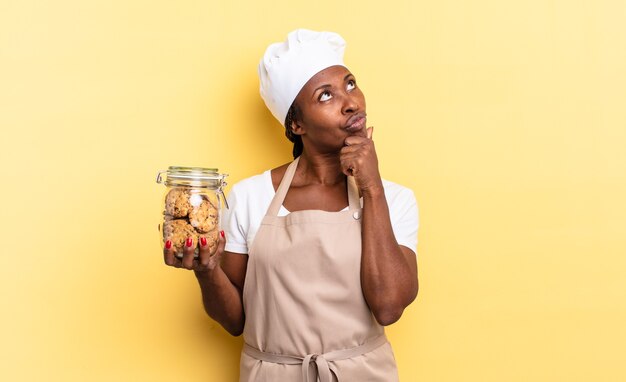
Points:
(388, 270)
(220, 277)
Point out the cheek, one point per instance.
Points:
(321, 117)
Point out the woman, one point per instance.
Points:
(308, 281)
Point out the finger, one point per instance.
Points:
(168, 255)
(350, 156)
(188, 253)
(370, 131)
(221, 242)
(348, 166)
(215, 260)
(354, 140)
(349, 149)
(207, 246)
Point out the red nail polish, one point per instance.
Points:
(203, 241)
(168, 244)
(222, 234)
(189, 242)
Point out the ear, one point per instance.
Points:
(297, 128)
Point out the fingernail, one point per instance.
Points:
(203, 241)
(189, 242)
(222, 234)
(168, 244)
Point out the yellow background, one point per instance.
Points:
(507, 119)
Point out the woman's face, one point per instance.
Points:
(332, 107)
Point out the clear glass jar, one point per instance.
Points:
(191, 206)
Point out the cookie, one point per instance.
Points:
(203, 217)
(178, 231)
(177, 203)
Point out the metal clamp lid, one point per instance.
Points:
(194, 177)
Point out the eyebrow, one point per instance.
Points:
(329, 85)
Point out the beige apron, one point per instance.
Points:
(306, 317)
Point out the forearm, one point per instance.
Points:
(222, 300)
(388, 275)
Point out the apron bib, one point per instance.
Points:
(306, 317)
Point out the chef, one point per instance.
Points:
(319, 254)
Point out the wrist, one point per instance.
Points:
(206, 276)
(374, 191)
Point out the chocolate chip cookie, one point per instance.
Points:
(177, 203)
(204, 217)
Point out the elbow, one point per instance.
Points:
(387, 316)
(389, 313)
(235, 332)
(412, 294)
(235, 329)
(234, 326)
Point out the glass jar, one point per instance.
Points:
(191, 206)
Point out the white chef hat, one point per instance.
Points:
(287, 66)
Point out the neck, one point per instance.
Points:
(316, 168)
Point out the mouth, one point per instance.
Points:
(355, 123)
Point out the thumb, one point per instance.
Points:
(221, 243)
(216, 257)
(370, 131)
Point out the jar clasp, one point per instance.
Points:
(159, 179)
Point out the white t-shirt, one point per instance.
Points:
(250, 198)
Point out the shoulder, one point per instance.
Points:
(253, 187)
(396, 193)
(264, 182)
(246, 202)
(278, 173)
(248, 192)
(251, 183)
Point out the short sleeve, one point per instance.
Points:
(235, 223)
(404, 215)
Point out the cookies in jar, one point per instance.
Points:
(191, 206)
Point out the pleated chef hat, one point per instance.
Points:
(287, 66)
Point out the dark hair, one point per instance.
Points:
(293, 115)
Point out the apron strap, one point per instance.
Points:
(324, 368)
(354, 201)
(353, 194)
(281, 192)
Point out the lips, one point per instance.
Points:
(356, 123)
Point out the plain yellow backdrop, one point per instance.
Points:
(507, 119)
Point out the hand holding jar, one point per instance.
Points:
(200, 258)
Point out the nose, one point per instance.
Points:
(350, 104)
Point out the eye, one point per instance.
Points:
(351, 85)
(325, 96)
